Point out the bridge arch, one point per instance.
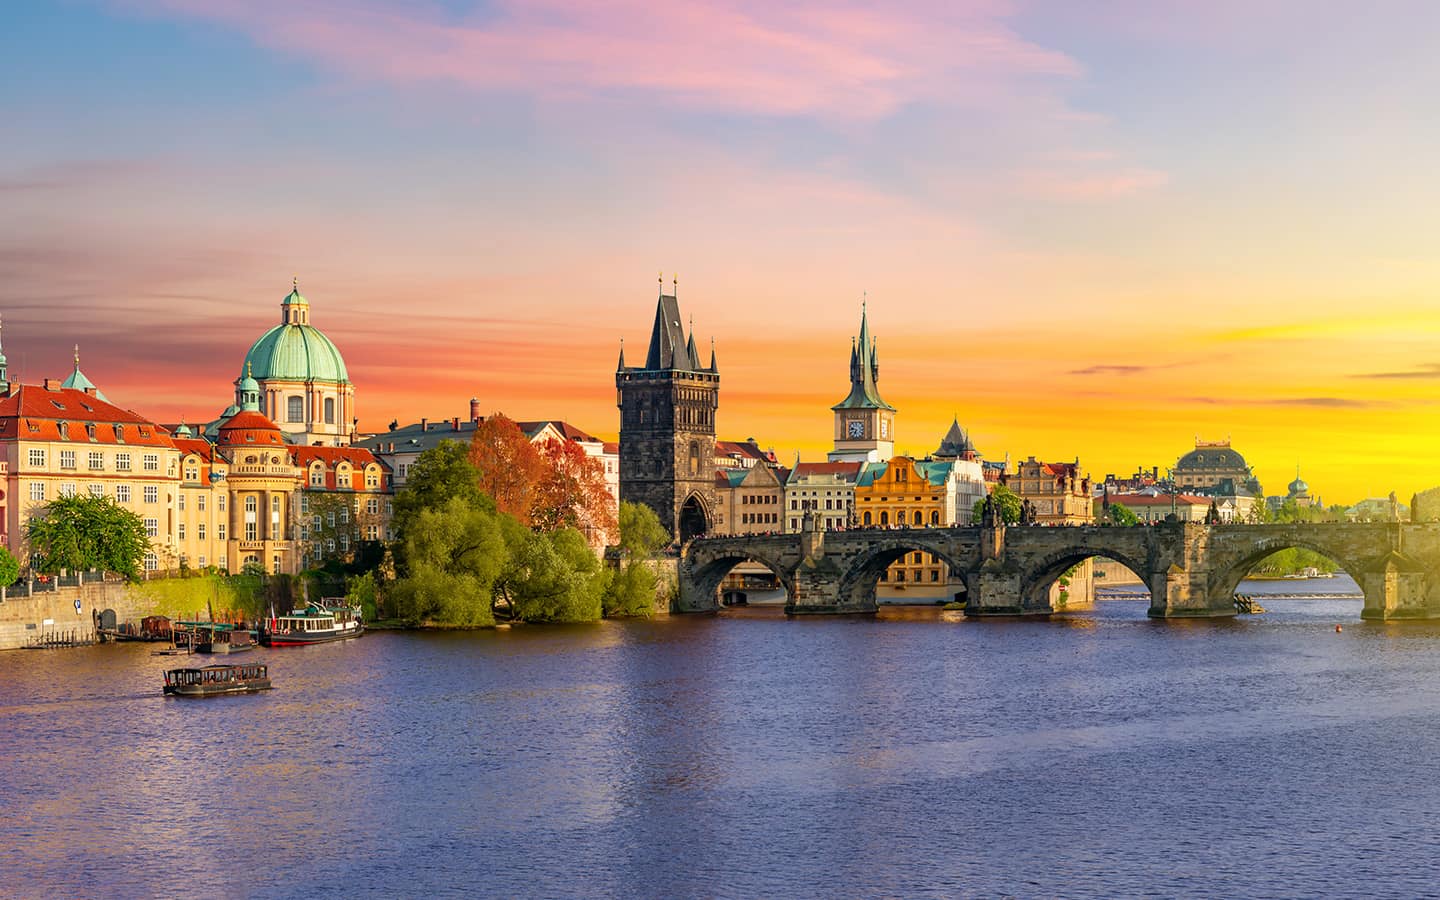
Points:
(1227, 573)
(862, 575)
(703, 569)
(1040, 575)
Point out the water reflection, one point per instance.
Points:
(742, 755)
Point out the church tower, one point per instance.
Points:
(667, 425)
(864, 422)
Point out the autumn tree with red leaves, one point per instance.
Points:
(510, 467)
(572, 493)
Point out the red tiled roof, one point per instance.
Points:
(567, 431)
(827, 468)
(198, 446)
(612, 447)
(727, 448)
(32, 412)
(331, 456)
(248, 428)
(1161, 500)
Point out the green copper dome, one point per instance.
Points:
(295, 350)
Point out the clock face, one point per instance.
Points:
(857, 428)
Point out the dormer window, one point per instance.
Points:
(58, 404)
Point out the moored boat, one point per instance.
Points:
(211, 681)
(220, 638)
(315, 624)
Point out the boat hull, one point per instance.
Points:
(306, 638)
(249, 686)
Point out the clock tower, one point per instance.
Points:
(864, 422)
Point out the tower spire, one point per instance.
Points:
(620, 367)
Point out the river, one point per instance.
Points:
(741, 755)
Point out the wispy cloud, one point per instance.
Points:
(1426, 371)
(846, 60)
(1117, 370)
(1313, 402)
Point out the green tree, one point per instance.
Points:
(554, 577)
(630, 590)
(1121, 515)
(442, 473)
(1009, 505)
(9, 567)
(85, 532)
(455, 554)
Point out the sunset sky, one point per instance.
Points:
(1087, 229)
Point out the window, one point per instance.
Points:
(866, 517)
(304, 504)
(251, 530)
(372, 532)
(150, 462)
(200, 502)
(220, 505)
(329, 410)
(317, 476)
(372, 506)
(122, 493)
(180, 532)
(151, 493)
(899, 574)
(344, 543)
(180, 501)
(152, 527)
(316, 521)
(201, 560)
(295, 409)
(220, 535)
(330, 518)
(251, 504)
(372, 478)
(199, 533)
(275, 563)
(934, 517)
(192, 473)
(37, 457)
(97, 490)
(884, 517)
(330, 546)
(344, 515)
(916, 519)
(122, 462)
(934, 574)
(221, 561)
(37, 490)
(274, 506)
(152, 562)
(67, 459)
(67, 489)
(96, 460)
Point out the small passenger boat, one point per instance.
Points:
(210, 681)
(316, 624)
(221, 638)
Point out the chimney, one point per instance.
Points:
(475, 409)
(455, 424)
(424, 424)
(52, 384)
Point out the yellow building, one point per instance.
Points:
(909, 493)
(1058, 493)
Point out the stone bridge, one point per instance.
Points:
(1191, 569)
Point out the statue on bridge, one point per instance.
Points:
(1027, 513)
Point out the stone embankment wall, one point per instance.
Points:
(52, 615)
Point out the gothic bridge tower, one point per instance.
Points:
(667, 425)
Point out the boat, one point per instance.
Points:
(220, 638)
(212, 681)
(315, 624)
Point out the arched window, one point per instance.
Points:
(934, 517)
(295, 409)
(694, 457)
(329, 410)
(917, 518)
(884, 517)
(867, 517)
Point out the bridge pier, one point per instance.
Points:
(1397, 588)
(1178, 593)
(998, 589)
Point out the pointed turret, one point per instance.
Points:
(713, 367)
(956, 443)
(620, 366)
(4, 372)
(78, 382)
(691, 351)
(864, 371)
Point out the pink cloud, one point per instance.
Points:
(836, 60)
(1071, 185)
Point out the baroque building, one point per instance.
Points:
(667, 426)
(1058, 493)
(864, 422)
(304, 385)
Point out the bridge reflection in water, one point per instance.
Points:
(1191, 570)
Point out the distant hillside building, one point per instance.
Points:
(1212, 462)
(667, 426)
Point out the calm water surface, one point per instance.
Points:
(918, 754)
